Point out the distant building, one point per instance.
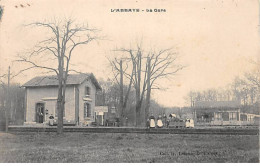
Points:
(249, 119)
(41, 99)
(100, 113)
(217, 112)
(222, 113)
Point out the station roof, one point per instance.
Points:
(52, 80)
(217, 104)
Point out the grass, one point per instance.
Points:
(130, 147)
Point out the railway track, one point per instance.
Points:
(223, 131)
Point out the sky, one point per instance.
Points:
(215, 39)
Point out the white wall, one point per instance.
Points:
(88, 83)
(35, 95)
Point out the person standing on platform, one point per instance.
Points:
(148, 124)
(159, 122)
(164, 120)
(152, 121)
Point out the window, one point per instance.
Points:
(250, 118)
(218, 116)
(87, 91)
(87, 110)
(225, 116)
(233, 116)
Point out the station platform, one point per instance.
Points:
(200, 130)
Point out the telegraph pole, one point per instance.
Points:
(7, 109)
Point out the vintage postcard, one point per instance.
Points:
(134, 81)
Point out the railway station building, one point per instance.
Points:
(41, 99)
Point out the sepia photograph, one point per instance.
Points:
(133, 81)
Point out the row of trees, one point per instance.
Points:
(16, 99)
(245, 90)
(12, 98)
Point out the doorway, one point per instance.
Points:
(40, 118)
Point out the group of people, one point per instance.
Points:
(161, 121)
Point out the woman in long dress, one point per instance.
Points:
(152, 121)
(159, 122)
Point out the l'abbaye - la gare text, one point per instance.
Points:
(138, 10)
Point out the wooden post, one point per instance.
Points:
(7, 109)
(195, 116)
(25, 105)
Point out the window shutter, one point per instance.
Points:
(56, 110)
(88, 110)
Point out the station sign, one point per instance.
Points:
(101, 109)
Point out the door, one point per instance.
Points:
(99, 119)
(40, 113)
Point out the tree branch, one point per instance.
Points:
(35, 65)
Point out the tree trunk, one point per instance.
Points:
(121, 94)
(138, 114)
(138, 92)
(60, 105)
(137, 107)
(7, 110)
(148, 94)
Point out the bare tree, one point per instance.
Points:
(254, 78)
(65, 37)
(134, 74)
(160, 65)
(2, 77)
(190, 98)
(7, 105)
(119, 70)
(147, 68)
